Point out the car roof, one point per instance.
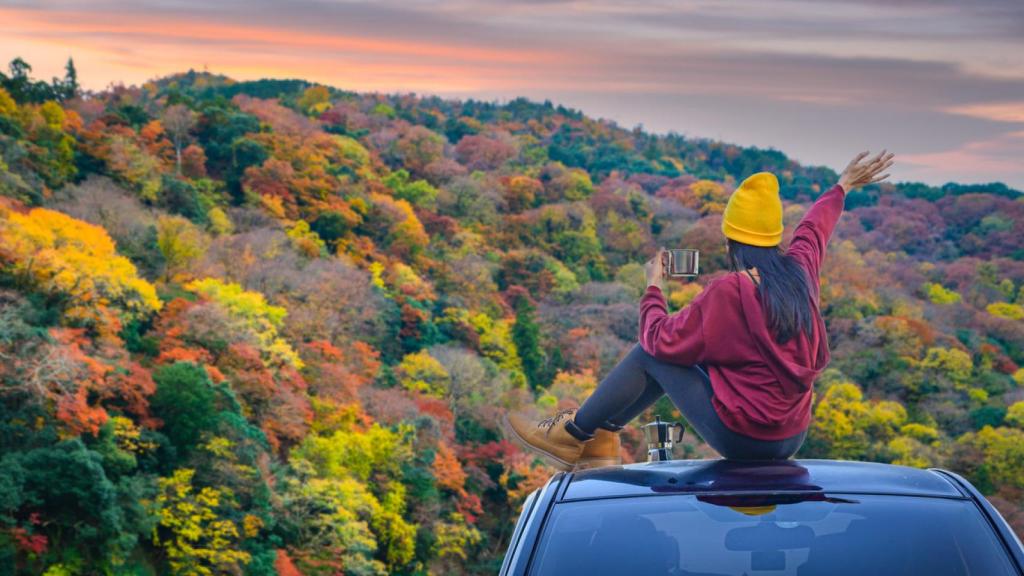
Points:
(757, 477)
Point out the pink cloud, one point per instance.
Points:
(996, 111)
(995, 158)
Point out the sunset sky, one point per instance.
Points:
(941, 82)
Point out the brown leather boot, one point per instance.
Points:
(548, 437)
(604, 450)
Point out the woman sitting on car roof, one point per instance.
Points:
(740, 360)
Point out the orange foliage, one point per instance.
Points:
(337, 374)
(130, 389)
(284, 565)
(447, 469)
(74, 375)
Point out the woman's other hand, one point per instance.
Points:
(862, 171)
(655, 269)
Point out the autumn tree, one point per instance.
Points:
(70, 260)
(526, 336)
(178, 122)
(197, 539)
(180, 242)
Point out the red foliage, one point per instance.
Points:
(480, 152)
(29, 543)
(193, 161)
(251, 379)
(271, 179)
(437, 408)
(469, 505)
(489, 452)
(170, 328)
(72, 376)
(337, 374)
(284, 565)
(130, 390)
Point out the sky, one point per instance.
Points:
(939, 82)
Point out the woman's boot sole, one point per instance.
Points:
(598, 463)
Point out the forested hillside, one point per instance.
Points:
(270, 327)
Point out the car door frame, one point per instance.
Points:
(1011, 543)
(531, 520)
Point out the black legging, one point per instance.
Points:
(640, 379)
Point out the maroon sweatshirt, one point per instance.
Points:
(761, 389)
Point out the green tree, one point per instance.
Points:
(186, 401)
(526, 336)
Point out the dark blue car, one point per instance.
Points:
(730, 518)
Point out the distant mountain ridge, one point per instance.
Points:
(751, 159)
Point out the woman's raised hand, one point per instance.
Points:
(655, 269)
(863, 170)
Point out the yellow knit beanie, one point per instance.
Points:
(754, 212)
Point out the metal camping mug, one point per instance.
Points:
(682, 262)
(660, 440)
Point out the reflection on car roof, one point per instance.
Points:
(703, 477)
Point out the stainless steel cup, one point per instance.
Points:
(683, 262)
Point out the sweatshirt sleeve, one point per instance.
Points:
(815, 229)
(676, 338)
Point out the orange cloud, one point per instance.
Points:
(160, 45)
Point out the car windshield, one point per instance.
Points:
(806, 535)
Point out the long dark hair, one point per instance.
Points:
(783, 288)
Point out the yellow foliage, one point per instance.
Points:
(274, 205)
(396, 534)
(684, 294)
(58, 254)
(953, 362)
(129, 437)
(305, 240)
(850, 426)
(1002, 451)
(251, 525)
(421, 372)
(7, 104)
(339, 466)
(377, 275)
(633, 276)
(53, 114)
(314, 97)
(1015, 414)
(920, 432)
(572, 388)
(220, 223)
(405, 280)
(199, 541)
(355, 153)
(709, 196)
(180, 242)
(1006, 310)
(496, 343)
(938, 294)
(454, 537)
(977, 395)
(253, 311)
(358, 454)
(911, 452)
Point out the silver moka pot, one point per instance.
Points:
(659, 438)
